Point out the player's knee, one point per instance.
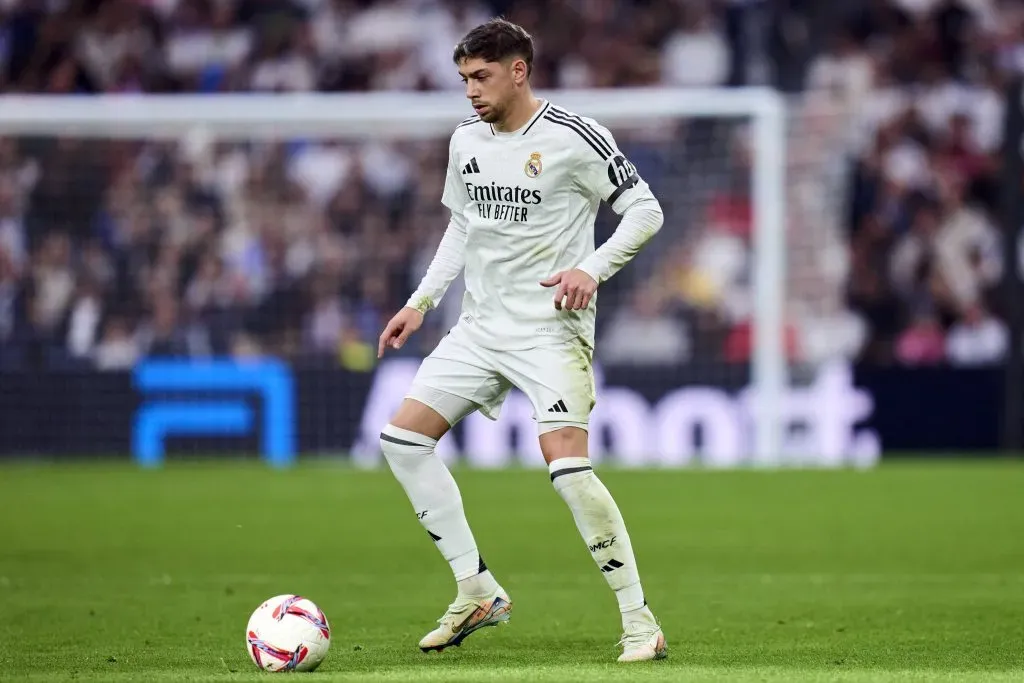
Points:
(563, 440)
(416, 416)
(398, 444)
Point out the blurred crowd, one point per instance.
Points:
(111, 251)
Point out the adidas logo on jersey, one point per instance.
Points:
(471, 167)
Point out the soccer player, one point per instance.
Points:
(525, 180)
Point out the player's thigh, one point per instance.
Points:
(457, 379)
(417, 415)
(558, 380)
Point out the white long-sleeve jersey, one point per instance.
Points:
(523, 206)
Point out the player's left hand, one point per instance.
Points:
(574, 286)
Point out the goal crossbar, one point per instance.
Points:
(369, 115)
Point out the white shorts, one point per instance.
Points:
(460, 376)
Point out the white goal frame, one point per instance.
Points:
(432, 115)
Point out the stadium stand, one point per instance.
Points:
(113, 251)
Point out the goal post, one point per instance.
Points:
(432, 116)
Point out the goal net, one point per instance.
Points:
(292, 227)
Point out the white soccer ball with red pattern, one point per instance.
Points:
(288, 633)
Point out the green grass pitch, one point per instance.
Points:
(911, 572)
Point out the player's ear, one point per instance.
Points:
(520, 72)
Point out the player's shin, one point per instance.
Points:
(438, 504)
(604, 531)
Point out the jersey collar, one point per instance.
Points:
(525, 128)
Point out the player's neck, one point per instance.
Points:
(521, 111)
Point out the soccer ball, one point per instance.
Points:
(288, 633)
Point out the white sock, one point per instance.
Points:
(438, 504)
(600, 523)
(481, 585)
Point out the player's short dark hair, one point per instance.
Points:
(496, 41)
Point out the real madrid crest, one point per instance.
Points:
(534, 166)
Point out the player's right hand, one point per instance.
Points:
(398, 329)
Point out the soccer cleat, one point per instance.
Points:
(464, 616)
(642, 642)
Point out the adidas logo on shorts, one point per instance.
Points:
(558, 407)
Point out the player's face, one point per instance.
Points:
(490, 86)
